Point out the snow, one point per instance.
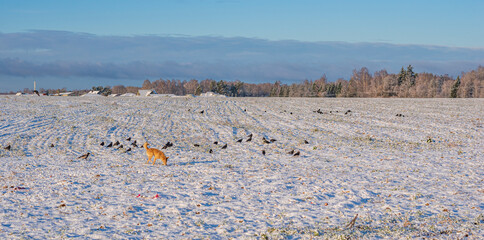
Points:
(211, 94)
(146, 93)
(92, 94)
(417, 176)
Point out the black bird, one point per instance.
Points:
(210, 151)
(128, 139)
(215, 142)
(273, 140)
(264, 152)
(347, 112)
(102, 144)
(120, 146)
(202, 111)
(37, 92)
(128, 150)
(51, 145)
(116, 143)
(297, 154)
(84, 156)
(265, 140)
(110, 145)
(7, 147)
(134, 144)
(240, 140)
(250, 138)
(224, 146)
(167, 145)
(291, 152)
(306, 142)
(196, 145)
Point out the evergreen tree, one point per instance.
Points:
(455, 88)
(401, 76)
(331, 90)
(221, 87)
(410, 75)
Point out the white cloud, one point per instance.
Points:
(69, 54)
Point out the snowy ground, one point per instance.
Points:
(416, 176)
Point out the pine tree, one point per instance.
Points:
(401, 76)
(410, 75)
(221, 87)
(455, 88)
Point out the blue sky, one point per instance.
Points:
(215, 27)
(449, 23)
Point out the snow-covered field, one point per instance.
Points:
(420, 175)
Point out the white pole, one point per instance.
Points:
(34, 85)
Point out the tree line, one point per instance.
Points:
(405, 84)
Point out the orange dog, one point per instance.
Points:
(154, 152)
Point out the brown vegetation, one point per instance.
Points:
(405, 84)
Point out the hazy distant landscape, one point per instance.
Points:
(406, 84)
(338, 168)
(76, 60)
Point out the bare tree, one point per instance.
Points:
(119, 89)
(147, 85)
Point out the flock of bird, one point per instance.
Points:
(118, 145)
(321, 112)
(249, 139)
(264, 140)
(134, 144)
